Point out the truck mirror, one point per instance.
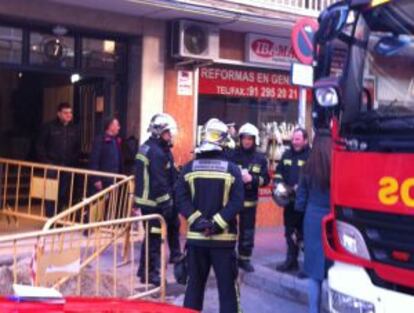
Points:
(301, 75)
(331, 23)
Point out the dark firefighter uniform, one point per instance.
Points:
(210, 190)
(287, 172)
(154, 183)
(256, 164)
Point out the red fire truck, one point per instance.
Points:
(364, 82)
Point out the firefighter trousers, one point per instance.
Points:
(173, 235)
(247, 226)
(153, 241)
(224, 263)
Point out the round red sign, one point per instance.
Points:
(302, 39)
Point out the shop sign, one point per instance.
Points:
(269, 50)
(246, 83)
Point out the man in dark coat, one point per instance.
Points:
(287, 173)
(59, 144)
(106, 154)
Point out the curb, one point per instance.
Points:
(282, 285)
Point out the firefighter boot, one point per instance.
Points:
(246, 265)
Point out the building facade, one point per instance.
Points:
(193, 59)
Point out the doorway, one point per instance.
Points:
(29, 99)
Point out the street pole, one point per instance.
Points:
(302, 107)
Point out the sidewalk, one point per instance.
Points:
(270, 250)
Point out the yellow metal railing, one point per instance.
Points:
(39, 191)
(114, 202)
(86, 260)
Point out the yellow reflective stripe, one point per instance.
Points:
(261, 181)
(279, 176)
(301, 163)
(146, 202)
(208, 175)
(227, 177)
(193, 217)
(145, 192)
(219, 237)
(142, 158)
(287, 162)
(155, 230)
(192, 187)
(219, 220)
(163, 198)
(256, 169)
(243, 257)
(249, 204)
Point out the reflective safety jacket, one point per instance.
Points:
(256, 164)
(155, 175)
(211, 187)
(290, 165)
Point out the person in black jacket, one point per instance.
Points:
(209, 194)
(106, 154)
(255, 174)
(154, 181)
(287, 173)
(59, 144)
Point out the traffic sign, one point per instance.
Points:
(302, 39)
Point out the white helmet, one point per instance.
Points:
(250, 130)
(162, 122)
(214, 136)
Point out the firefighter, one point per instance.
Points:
(255, 174)
(286, 182)
(210, 195)
(154, 183)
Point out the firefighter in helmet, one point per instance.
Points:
(209, 195)
(255, 174)
(154, 183)
(286, 182)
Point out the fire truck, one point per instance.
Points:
(364, 92)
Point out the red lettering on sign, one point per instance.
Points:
(247, 83)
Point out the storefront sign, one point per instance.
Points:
(269, 50)
(185, 83)
(246, 83)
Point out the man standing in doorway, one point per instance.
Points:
(255, 174)
(154, 182)
(287, 178)
(59, 144)
(210, 195)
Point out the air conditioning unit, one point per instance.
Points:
(195, 40)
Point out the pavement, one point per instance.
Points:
(272, 291)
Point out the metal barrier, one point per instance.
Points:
(112, 203)
(37, 191)
(83, 259)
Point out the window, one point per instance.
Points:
(46, 49)
(102, 54)
(10, 45)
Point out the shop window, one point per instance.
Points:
(10, 45)
(102, 54)
(46, 49)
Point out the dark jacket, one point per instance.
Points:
(106, 156)
(290, 165)
(315, 203)
(211, 187)
(155, 175)
(256, 164)
(59, 144)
